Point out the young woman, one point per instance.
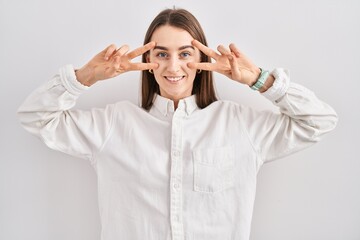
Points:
(184, 164)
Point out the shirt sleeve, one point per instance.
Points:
(47, 113)
(303, 119)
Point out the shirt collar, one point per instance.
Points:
(166, 106)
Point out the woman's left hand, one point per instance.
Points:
(230, 62)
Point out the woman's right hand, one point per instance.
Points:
(111, 62)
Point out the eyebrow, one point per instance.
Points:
(180, 48)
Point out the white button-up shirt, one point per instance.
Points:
(179, 174)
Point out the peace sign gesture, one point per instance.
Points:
(113, 61)
(230, 62)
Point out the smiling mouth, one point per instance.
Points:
(174, 79)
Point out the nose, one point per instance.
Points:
(174, 64)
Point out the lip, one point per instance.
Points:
(174, 79)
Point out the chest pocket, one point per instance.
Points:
(213, 169)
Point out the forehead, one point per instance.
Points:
(171, 37)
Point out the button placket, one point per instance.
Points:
(176, 176)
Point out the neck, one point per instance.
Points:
(176, 102)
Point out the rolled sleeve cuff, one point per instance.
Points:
(280, 85)
(68, 79)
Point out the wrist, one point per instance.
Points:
(261, 79)
(84, 76)
(267, 84)
(257, 74)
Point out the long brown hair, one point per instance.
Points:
(203, 86)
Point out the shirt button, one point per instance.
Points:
(176, 153)
(176, 186)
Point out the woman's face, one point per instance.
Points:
(172, 52)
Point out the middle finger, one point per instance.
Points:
(207, 51)
(141, 50)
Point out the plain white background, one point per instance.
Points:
(312, 195)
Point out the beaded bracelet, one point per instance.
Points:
(261, 80)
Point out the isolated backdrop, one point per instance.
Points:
(313, 195)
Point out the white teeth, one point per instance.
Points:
(174, 79)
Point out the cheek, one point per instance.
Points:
(160, 68)
(151, 59)
(154, 60)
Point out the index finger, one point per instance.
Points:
(143, 66)
(141, 50)
(203, 66)
(207, 51)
